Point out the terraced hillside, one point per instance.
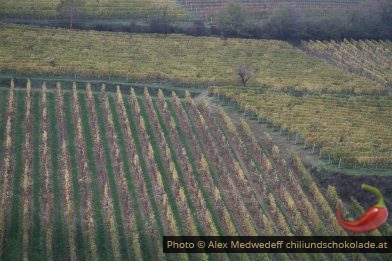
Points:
(98, 9)
(185, 60)
(98, 175)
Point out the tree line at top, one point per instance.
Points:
(369, 19)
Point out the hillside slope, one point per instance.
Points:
(187, 60)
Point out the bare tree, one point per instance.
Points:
(244, 71)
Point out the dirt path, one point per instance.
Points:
(257, 128)
(211, 101)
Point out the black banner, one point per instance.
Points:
(277, 244)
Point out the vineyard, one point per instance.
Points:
(212, 8)
(111, 140)
(100, 175)
(184, 60)
(99, 9)
(176, 9)
(341, 129)
(368, 58)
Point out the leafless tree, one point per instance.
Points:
(244, 71)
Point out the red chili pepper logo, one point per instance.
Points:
(373, 218)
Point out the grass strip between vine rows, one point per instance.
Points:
(60, 239)
(110, 175)
(195, 169)
(101, 239)
(177, 165)
(80, 244)
(36, 252)
(145, 246)
(3, 114)
(12, 245)
(158, 159)
(143, 165)
(160, 165)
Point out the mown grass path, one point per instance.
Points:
(12, 244)
(111, 175)
(80, 243)
(102, 237)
